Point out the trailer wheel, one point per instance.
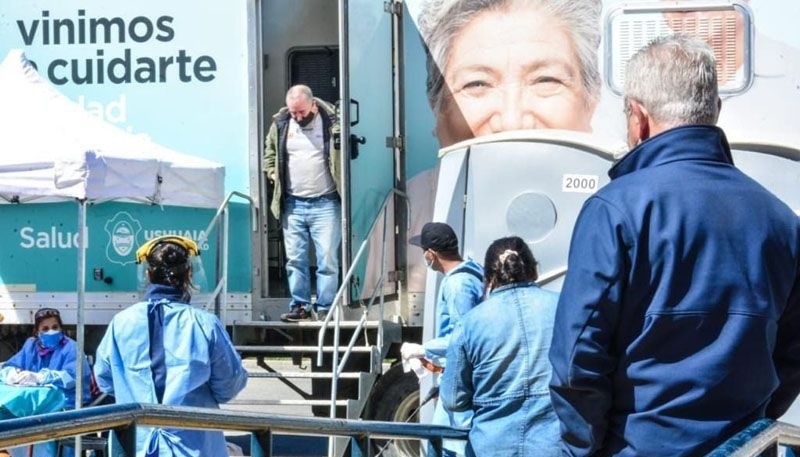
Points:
(395, 398)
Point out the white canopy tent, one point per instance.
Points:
(52, 149)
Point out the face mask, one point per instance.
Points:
(428, 263)
(306, 120)
(50, 338)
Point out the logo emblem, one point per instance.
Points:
(123, 230)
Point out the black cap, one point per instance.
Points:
(437, 236)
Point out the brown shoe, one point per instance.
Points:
(297, 314)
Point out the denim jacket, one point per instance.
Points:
(498, 368)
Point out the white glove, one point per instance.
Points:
(22, 378)
(410, 351)
(415, 365)
(44, 377)
(27, 378)
(412, 354)
(9, 375)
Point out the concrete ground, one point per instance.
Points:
(283, 445)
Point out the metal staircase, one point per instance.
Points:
(279, 341)
(268, 347)
(344, 352)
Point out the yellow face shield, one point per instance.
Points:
(144, 250)
(198, 273)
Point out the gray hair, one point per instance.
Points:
(300, 89)
(675, 79)
(441, 20)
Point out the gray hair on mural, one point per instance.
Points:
(675, 79)
(440, 21)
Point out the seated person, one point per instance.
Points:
(48, 358)
(497, 363)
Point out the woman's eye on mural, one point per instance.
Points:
(544, 86)
(475, 88)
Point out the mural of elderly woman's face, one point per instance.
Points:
(510, 70)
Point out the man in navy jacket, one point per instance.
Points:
(679, 320)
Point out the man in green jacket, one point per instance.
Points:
(301, 159)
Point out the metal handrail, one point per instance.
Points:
(364, 316)
(335, 312)
(221, 288)
(253, 216)
(760, 438)
(551, 276)
(123, 419)
(337, 299)
(362, 322)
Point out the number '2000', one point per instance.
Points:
(580, 183)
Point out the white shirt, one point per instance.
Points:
(308, 173)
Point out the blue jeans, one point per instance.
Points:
(320, 220)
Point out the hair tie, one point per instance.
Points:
(508, 252)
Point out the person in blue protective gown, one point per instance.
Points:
(49, 358)
(162, 350)
(459, 292)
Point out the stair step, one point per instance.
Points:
(306, 349)
(265, 402)
(301, 374)
(304, 324)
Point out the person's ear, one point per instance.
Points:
(639, 121)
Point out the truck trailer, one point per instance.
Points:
(203, 78)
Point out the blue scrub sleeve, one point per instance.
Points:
(59, 378)
(466, 298)
(436, 348)
(228, 376)
(65, 377)
(463, 293)
(586, 317)
(456, 389)
(102, 363)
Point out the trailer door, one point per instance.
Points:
(367, 81)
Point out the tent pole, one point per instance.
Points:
(223, 299)
(81, 248)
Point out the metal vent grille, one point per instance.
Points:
(726, 26)
(318, 68)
